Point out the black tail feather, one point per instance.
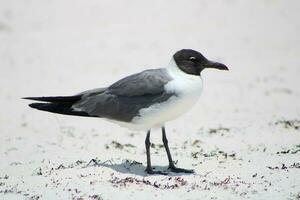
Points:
(58, 104)
(59, 99)
(60, 108)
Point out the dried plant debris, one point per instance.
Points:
(95, 197)
(289, 124)
(97, 162)
(93, 162)
(215, 131)
(169, 183)
(285, 167)
(226, 183)
(196, 154)
(223, 182)
(218, 130)
(293, 150)
(14, 190)
(295, 165)
(214, 153)
(72, 165)
(297, 196)
(131, 162)
(196, 143)
(38, 171)
(35, 197)
(116, 145)
(15, 163)
(4, 177)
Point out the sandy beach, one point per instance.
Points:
(242, 137)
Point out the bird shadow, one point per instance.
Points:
(132, 167)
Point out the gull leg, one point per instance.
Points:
(172, 167)
(149, 169)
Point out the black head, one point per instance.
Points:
(193, 62)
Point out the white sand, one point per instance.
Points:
(63, 47)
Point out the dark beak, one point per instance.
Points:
(216, 65)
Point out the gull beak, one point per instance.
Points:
(216, 65)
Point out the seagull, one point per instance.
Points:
(141, 101)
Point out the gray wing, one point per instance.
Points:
(150, 81)
(123, 99)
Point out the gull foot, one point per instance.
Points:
(180, 170)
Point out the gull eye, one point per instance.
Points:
(192, 58)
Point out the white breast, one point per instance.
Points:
(187, 88)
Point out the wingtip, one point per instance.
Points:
(31, 105)
(37, 105)
(28, 98)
